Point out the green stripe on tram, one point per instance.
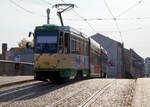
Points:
(66, 72)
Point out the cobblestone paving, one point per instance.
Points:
(66, 96)
(119, 94)
(142, 93)
(89, 89)
(73, 95)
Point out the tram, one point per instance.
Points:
(62, 53)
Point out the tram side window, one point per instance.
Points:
(67, 43)
(86, 48)
(79, 44)
(95, 57)
(92, 56)
(73, 46)
(98, 58)
(60, 43)
(83, 48)
(79, 47)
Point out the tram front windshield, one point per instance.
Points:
(46, 42)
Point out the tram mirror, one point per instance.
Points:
(30, 34)
(27, 45)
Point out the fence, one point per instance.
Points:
(8, 68)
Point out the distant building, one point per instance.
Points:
(4, 51)
(127, 64)
(1, 57)
(25, 54)
(134, 64)
(137, 64)
(147, 66)
(114, 50)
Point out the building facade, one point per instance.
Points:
(4, 51)
(134, 64)
(147, 67)
(25, 54)
(115, 52)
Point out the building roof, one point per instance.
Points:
(103, 36)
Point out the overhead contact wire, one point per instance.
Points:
(20, 7)
(26, 10)
(114, 20)
(124, 12)
(84, 19)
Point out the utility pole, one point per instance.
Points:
(48, 14)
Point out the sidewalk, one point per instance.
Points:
(142, 93)
(11, 80)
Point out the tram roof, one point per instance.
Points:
(97, 45)
(49, 27)
(104, 50)
(94, 43)
(73, 31)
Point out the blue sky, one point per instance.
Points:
(16, 23)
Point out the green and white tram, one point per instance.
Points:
(61, 52)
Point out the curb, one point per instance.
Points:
(15, 83)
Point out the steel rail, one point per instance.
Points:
(66, 97)
(22, 96)
(4, 93)
(93, 97)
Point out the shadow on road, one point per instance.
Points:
(31, 91)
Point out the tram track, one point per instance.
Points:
(17, 89)
(9, 96)
(88, 93)
(77, 93)
(81, 94)
(65, 97)
(93, 97)
(31, 90)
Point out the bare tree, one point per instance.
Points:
(23, 42)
